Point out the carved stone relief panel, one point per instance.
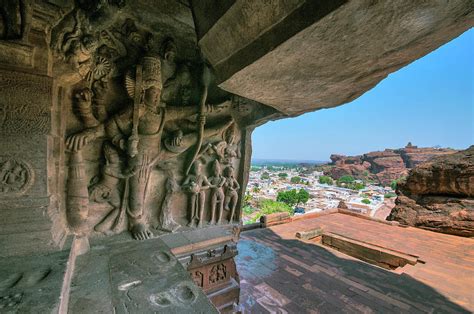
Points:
(152, 144)
(16, 176)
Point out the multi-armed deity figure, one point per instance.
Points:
(231, 196)
(136, 133)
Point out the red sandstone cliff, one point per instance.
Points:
(439, 195)
(384, 166)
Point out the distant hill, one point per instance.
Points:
(285, 162)
(383, 166)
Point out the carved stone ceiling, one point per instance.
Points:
(296, 66)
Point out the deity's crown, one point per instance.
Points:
(151, 72)
(151, 75)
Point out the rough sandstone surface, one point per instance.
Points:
(347, 48)
(439, 195)
(383, 166)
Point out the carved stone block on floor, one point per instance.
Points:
(134, 278)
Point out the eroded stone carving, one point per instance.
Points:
(217, 193)
(16, 176)
(196, 184)
(198, 278)
(153, 128)
(166, 220)
(231, 187)
(217, 274)
(133, 150)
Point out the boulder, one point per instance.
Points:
(439, 195)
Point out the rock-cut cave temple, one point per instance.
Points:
(125, 131)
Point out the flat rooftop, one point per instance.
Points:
(280, 273)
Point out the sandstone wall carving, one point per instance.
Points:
(111, 122)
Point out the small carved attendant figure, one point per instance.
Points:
(217, 194)
(196, 184)
(231, 187)
(166, 220)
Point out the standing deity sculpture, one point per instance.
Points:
(217, 193)
(231, 196)
(195, 184)
(166, 220)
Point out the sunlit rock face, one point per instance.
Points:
(383, 166)
(438, 195)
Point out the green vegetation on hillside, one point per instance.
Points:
(325, 180)
(349, 182)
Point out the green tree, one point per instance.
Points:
(390, 195)
(325, 180)
(283, 175)
(265, 176)
(346, 179)
(293, 197)
(303, 196)
(295, 180)
(288, 197)
(366, 201)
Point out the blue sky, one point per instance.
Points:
(429, 102)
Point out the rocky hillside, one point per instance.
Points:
(439, 195)
(384, 166)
